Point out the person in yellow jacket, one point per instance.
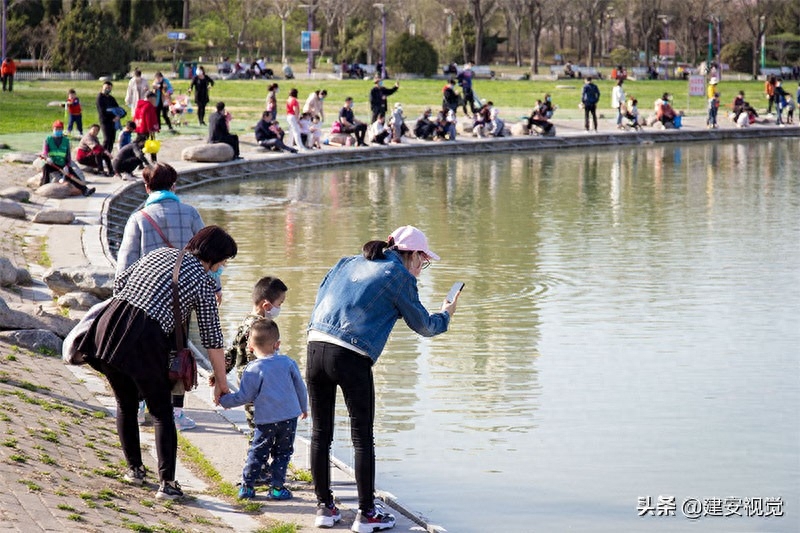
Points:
(712, 87)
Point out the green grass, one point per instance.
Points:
(25, 111)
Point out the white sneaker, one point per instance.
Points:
(183, 422)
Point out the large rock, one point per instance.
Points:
(97, 281)
(11, 209)
(36, 340)
(8, 273)
(208, 153)
(54, 216)
(341, 139)
(78, 300)
(24, 277)
(20, 157)
(519, 129)
(18, 194)
(57, 190)
(34, 318)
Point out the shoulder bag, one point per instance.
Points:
(182, 366)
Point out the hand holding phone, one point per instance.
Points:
(457, 287)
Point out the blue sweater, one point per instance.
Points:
(275, 388)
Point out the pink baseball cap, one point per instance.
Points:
(411, 239)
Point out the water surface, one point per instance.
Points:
(629, 329)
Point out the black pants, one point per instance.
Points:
(327, 367)
(381, 137)
(109, 134)
(232, 140)
(8, 79)
(360, 131)
(72, 180)
(97, 161)
(201, 112)
(589, 109)
(469, 98)
(275, 144)
(163, 111)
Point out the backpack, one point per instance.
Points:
(591, 94)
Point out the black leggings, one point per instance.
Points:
(327, 367)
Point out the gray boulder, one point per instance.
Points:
(56, 190)
(208, 153)
(8, 273)
(20, 157)
(18, 194)
(36, 340)
(78, 300)
(97, 281)
(11, 209)
(34, 318)
(24, 277)
(519, 129)
(54, 216)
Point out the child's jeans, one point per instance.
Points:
(712, 116)
(274, 440)
(77, 121)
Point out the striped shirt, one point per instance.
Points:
(177, 220)
(148, 286)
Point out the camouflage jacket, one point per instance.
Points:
(238, 355)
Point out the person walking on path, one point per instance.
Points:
(130, 342)
(200, 84)
(357, 305)
(137, 89)
(589, 98)
(7, 71)
(106, 106)
(377, 98)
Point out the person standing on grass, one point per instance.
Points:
(106, 104)
(7, 71)
(200, 84)
(163, 89)
(137, 89)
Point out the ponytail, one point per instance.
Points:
(373, 250)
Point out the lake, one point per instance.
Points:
(625, 355)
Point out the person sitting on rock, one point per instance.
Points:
(425, 128)
(55, 154)
(269, 135)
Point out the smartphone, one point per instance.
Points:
(454, 290)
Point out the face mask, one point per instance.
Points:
(216, 275)
(273, 312)
(106, 91)
(58, 133)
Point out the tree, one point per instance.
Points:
(757, 17)
(122, 14)
(236, 15)
(88, 40)
(739, 55)
(481, 11)
(515, 12)
(412, 54)
(284, 8)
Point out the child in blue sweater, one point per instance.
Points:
(272, 383)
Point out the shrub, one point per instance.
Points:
(739, 55)
(412, 54)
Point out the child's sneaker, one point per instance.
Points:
(327, 515)
(183, 422)
(134, 476)
(169, 490)
(375, 520)
(246, 493)
(281, 493)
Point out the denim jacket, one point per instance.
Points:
(359, 301)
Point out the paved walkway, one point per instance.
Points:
(217, 437)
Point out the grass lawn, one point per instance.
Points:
(27, 109)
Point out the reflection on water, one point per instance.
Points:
(628, 327)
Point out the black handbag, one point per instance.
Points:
(182, 365)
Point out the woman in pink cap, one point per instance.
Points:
(357, 305)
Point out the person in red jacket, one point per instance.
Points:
(146, 119)
(7, 71)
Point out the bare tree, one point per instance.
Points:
(594, 12)
(645, 13)
(756, 16)
(283, 8)
(540, 14)
(236, 15)
(515, 12)
(481, 11)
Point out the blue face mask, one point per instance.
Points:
(216, 275)
(58, 133)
